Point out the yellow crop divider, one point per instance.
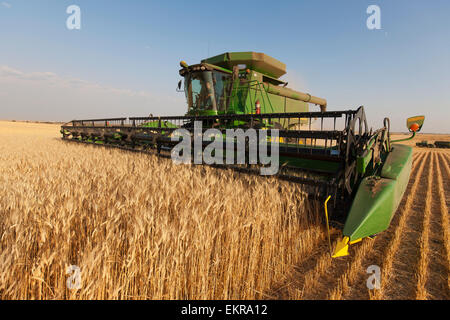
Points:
(328, 226)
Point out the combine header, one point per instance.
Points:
(332, 153)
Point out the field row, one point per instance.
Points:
(413, 254)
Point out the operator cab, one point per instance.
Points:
(206, 88)
(242, 83)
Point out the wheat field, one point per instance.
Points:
(140, 227)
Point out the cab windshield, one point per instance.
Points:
(207, 90)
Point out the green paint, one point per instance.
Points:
(363, 161)
(232, 83)
(211, 88)
(406, 139)
(259, 62)
(378, 197)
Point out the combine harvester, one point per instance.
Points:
(442, 144)
(332, 153)
(437, 144)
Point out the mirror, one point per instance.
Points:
(179, 86)
(414, 124)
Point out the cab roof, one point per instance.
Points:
(257, 61)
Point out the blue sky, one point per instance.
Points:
(124, 60)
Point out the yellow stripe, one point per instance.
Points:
(416, 118)
(355, 241)
(328, 227)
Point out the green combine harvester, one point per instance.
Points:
(424, 144)
(437, 144)
(332, 153)
(442, 144)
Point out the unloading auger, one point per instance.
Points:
(332, 153)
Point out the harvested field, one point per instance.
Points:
(413, 253)
(431, 138)
(140, 227)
